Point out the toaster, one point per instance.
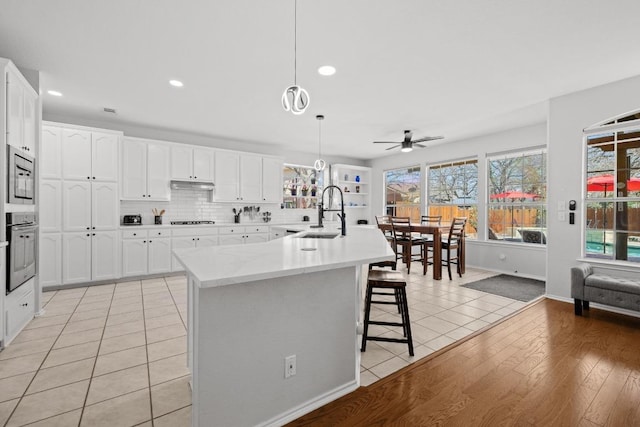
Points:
(132, 220)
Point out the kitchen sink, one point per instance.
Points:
(318, 235)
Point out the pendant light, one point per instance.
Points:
(319, 164)
(295, 98)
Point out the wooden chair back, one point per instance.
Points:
(457, 228)
(427, 219)
(401, 227)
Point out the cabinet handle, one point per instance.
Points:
(195, 177)
(148, 195)
(26, 304)
(93, 228)
(190, 176)
(134, 234)
(159, 233)
(144, 241)
(93, 234)
(144, 195)
(88, 228)
(88, 234)
(198, 238)
(94, 177)
(150, 241)
(194, 239)
(88, 177)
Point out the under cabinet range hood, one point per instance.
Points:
(192, 185)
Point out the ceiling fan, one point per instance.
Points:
(408, 143)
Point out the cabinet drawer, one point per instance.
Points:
(195, 231)
(231, 230)
(257, 229)
(159, 233)
(134, 234)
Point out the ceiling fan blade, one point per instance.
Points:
(419, 145)
(428, 138)
(391, 148)
(385, 142)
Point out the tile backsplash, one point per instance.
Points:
(195, 205)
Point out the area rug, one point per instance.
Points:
(504, 285)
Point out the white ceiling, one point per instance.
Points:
(456, 68)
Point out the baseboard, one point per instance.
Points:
(508, 273)
(311, 405)
(598, 306)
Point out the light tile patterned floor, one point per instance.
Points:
(116, 354)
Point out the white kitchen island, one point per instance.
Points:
(252, 306)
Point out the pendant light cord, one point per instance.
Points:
(295, 42)
(319, 139)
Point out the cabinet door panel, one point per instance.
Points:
(134, 170)
(158, 172)
(203, 164)
(256, 238)
(104, 255)
(180, 243)
(50, 259)
(104, 157)
(181, 162)
(134, 257)
(76, 255)
(226, 172)
(272, 180)
(76, 154)
(50, 154)
(76, 203)
(159, 255)
(50, 206)
(15, 110)
(206, 241)
(30, 125)
(230, 239)
(250, 178)
(104, 202)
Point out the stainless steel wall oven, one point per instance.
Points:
(22, 249)
(21, 177)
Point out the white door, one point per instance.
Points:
(30, 126)
(76, 256)
(15, 110)
(50, 206)
(51, 153)
(206, 241)
(250, 178)
(104, 157)
(181, 162)
(76, 154)
(226, 172)
(180, 243)
(272, 180)
(230, 239)
(134, 170)
(158, 172)
(104, 255)
(76, 206)
(50, 259)
(134, 257)
(256, 238)
(203, 164)
(159, 255)
(104, 203)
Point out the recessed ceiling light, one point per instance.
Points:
(54, 93)
(176, 83)
(327, 70)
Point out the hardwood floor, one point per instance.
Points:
(544, 366)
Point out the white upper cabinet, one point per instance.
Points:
(250, 178)
(145, 170)
(226, 172)
(21, 114)
(190, 163)
(272, 180)
(51, 153)
(89, 155)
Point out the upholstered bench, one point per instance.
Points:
(615, 291)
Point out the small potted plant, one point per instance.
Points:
(305, 189)
(314, 190)
(294, 190)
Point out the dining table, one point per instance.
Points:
(437, 231)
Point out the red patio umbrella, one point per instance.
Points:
(607, 182)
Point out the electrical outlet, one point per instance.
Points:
(290, 366)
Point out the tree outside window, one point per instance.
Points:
(402, 192)
(517, 197)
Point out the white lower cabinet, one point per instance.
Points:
(19, 309)
(50, 259)
(89, 256)
(240, 235)
(146, 252)
(192, 238)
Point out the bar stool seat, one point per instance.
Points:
(379, 280)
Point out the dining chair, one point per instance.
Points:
(453, 242)
(390, 263)
(402, 236)
(385, 219)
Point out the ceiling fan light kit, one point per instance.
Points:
(319, 164)
(295, 98)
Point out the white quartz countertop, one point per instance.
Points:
(290, 255)
(301, 225)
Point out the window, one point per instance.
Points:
(612, 184)
(402, 192)
(517, 197)
(453, 192)
(301, 188)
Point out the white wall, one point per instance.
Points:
(568, 116)
(518, 259)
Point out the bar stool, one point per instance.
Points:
(387, 280)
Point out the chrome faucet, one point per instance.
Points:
(322, 210)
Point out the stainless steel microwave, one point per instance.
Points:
(22, 178)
